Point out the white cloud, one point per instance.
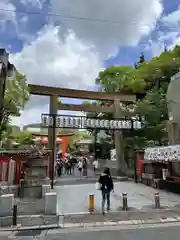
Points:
(51, 60)
(172, 18)
(172, 21)
(71, 56)
(158, 46)
(23, 20)
(34, 3)
(171, 35)
(136, 19)
(30, 116)
(9, 15)
(34, 115)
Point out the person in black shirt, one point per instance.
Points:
(107, 186)
(84, 167)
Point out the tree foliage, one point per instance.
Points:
(22, 137)
(149, 81)
(72, 140)
(16, 95)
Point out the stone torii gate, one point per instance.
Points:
(116, 98)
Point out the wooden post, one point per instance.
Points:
(118, 137)
(53, 106)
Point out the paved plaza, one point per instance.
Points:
(73, 199)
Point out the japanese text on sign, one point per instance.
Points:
(83, 122)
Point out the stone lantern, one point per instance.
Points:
(36, 173)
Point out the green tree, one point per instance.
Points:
(150, 81)
(138, 64)
(101, 146)
(16, 95)
(22, 137)
(120, 79)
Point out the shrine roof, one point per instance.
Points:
(46, 135)
(21, 152)
(36, 129)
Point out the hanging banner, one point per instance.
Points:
(163, 154)
(77, 122)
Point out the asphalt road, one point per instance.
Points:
(146, 232)
(160, 233)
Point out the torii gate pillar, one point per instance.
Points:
(53, 107)
(119, 145)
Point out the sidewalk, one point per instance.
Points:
(154, 215)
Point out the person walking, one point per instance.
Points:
(95, 165)
(80, 165)
(58, 168)
(66, 166)
(106, 186)
(84, 167)
(74, 162)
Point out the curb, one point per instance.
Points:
(120, 223)
(94, 224)
(21, 228)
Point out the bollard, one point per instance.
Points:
(156, 200)
(14, 219)
(91, 203)
(124, 200)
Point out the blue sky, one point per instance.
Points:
(128, 55)
(12, 41)
(83, 47)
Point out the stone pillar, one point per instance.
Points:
(45, 189)
(118, 137)
(11, 172)
(4, 171)
(53, 107)
(6, 204)
(50, 207)
(173, 130)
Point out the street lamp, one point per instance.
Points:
(7, 70)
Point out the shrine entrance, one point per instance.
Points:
(119, 123)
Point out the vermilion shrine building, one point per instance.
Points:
(62, 136)
(11, 162)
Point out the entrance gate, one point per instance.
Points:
(53, 121)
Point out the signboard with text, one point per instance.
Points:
(78, 122)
